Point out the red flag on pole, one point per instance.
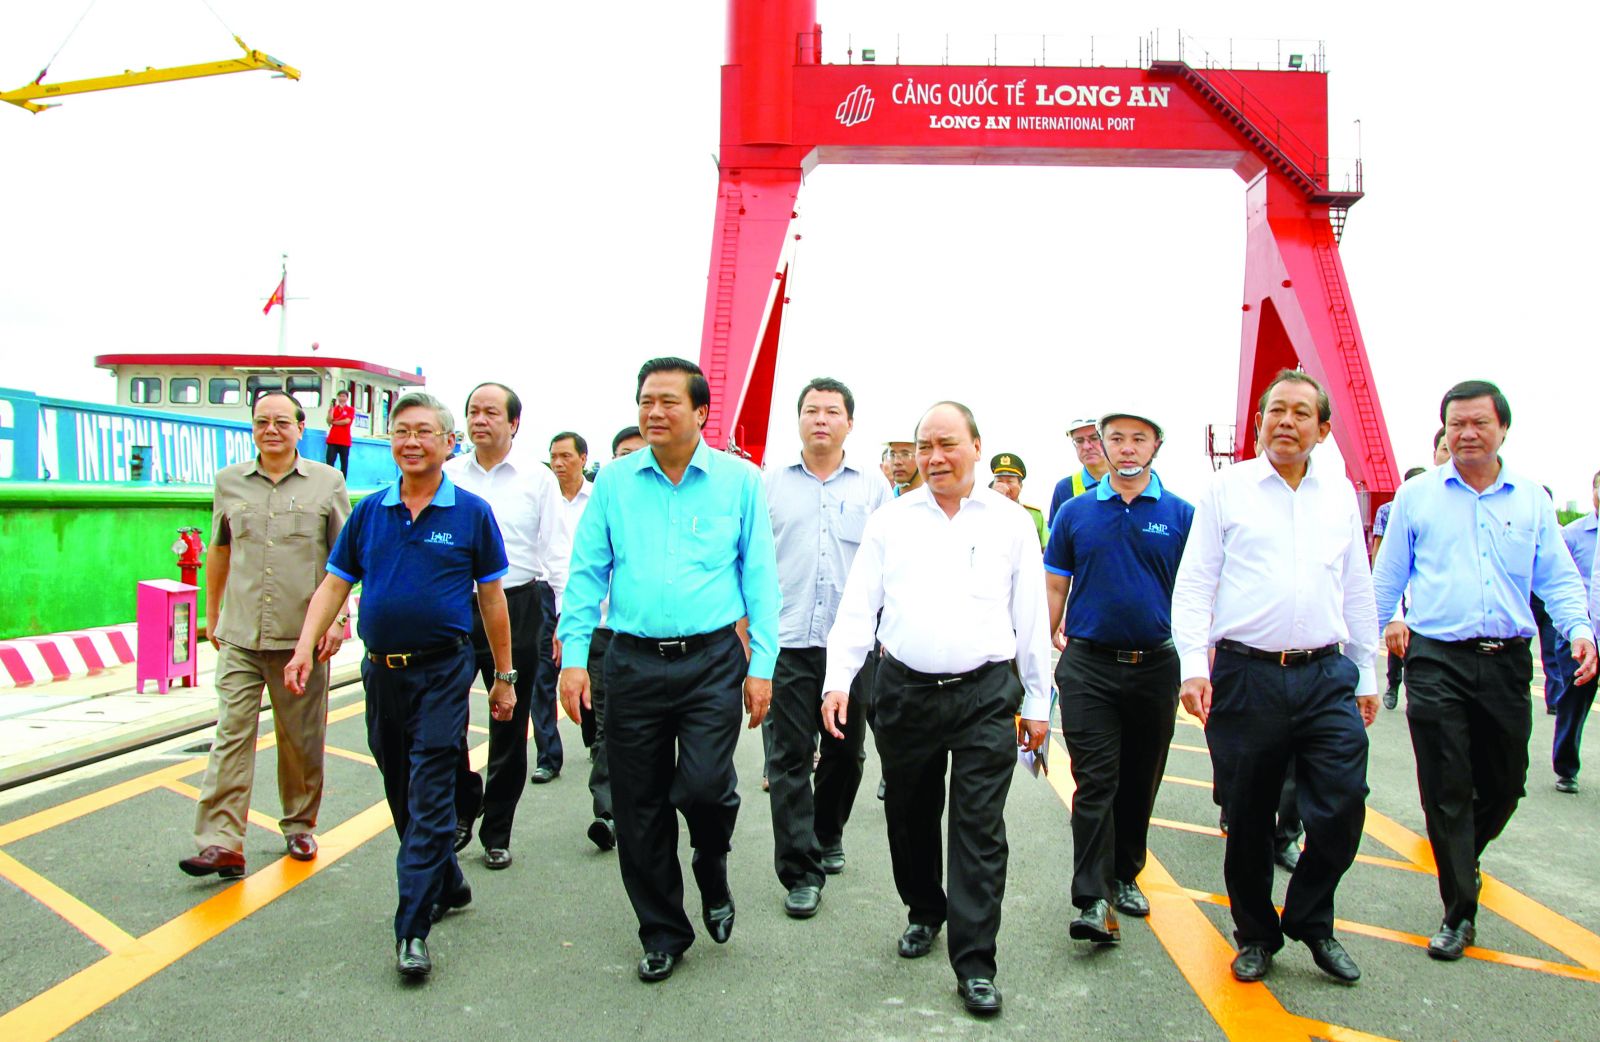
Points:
(277, 296)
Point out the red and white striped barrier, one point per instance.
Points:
(57, 656)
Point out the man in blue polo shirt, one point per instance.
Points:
(1576, 698)
(417, 548)
(1116, 551)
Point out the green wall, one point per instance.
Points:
(74, 554)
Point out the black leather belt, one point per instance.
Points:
(1294, 657)
(407, 659)
(1132, 658)
(669, 648)
(531, 586)
(945, 679)
(1487, 645)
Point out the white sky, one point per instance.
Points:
(524, 192)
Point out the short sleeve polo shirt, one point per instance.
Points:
(417, 575)
(1123, 560)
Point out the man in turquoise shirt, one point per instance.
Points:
(680, 537)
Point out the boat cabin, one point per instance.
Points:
(223, 386)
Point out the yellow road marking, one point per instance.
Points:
(1383, 933)
(1191, 748)
(255, 816)
(55, 1010)
(1216, 833)
(350, 754)
(1203, 956)
(89, 922)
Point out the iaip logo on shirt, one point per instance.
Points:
(1156, 528)
(442, 538)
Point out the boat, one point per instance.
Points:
(92, 494)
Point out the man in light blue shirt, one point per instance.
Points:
(679, 535)
(819, 506)
(1473, 540)
(1576, 699)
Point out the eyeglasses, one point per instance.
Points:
(901, 454)
(279, 424)
(421, 434)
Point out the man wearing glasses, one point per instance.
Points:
(273, 520)
(417, 548)
(903, 472)
(1085, 435)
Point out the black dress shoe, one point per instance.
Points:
(917, 941)
(1252, 963)
(1097, 923)
(1288, 857)
(979, 995)
(882, 788)
(802, 902)
(1130, 900)
(656, 966)
(833, 861)
(459, 899)
(1391, 698)
(719, 920)
(464, 831)
(496, 858)
(1332, 959)
(1567, 785)
(1451, 942)
(411, 958)
(543, 776)
(602, 833)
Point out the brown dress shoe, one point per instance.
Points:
(229, 864)
(302, 845)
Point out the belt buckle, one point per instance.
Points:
(1132, 658)
(404, 660)
(1293, 658)
(672, 650)
(1490, 647)
(948, 681)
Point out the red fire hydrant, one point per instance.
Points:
(189, 547)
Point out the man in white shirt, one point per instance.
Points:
(528, 508)
(1275, 579)
(819, 506)
(569, 456)
(956, 570)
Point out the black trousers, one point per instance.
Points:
(970, 728)
(1287, 832)
(1117, 719)
(497, 798)
(544, 712)
(1470, 723)
(671, 729)
(599, 766)
(1263, 718)
(415, 718)
(340, 453)
(806, 821)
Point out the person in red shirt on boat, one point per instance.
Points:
(341, 416)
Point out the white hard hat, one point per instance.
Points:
(1087, 422)
(1141, 417)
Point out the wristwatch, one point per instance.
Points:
(343, 620)
(510, 678)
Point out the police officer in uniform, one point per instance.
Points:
(1009, 472)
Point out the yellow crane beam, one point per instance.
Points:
(27, 97)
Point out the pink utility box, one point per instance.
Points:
(167, 638)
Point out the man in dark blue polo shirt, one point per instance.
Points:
(1116, 551)
(417, 548)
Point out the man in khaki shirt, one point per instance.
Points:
(274, 520)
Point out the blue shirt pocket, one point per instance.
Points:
(714, 541)
(1515, 550)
